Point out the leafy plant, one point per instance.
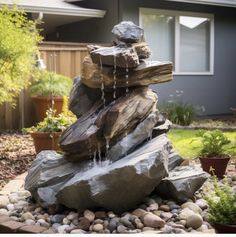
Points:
(19, 40)
(179, 112)
(50, 84)
(222, 203)
(52, 123)
(213, 142)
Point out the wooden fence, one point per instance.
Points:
(63, 58)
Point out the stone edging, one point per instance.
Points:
(231, 129)
(7, 225)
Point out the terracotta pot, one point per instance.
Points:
(43, 103)
(46, 141)
(219, 165)
(220, 228)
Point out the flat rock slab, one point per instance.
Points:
(147, 73)
(128, 32)
(182, 183)
(116, 56)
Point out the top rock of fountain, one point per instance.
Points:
(128, 32)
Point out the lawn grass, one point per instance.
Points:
(186, 144)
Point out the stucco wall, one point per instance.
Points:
(216, 93)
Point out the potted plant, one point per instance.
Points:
(47, 91)
(222, 206)
(47, 132)
(212, 154)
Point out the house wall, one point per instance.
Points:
(215, 92)
(91, 30)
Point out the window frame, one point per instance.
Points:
(177, 14)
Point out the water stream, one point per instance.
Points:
(102, 84)
(114, 78)
(126, 76)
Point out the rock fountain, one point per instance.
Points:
(117, 152)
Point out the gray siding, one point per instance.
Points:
(216, 93)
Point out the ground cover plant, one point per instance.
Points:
(186, 142)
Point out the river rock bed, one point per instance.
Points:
(153, 215)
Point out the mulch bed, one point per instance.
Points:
(16, 155)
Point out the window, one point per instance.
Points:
(186, 39)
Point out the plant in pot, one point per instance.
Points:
(47, 91)
(213, 155)
(222, 206)
(47, 132)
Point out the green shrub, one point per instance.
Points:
(222, 203)
(213, 142)
(52, 123)
(179, 112)
(19, 40)
(50, 84)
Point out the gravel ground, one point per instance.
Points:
(16, 155)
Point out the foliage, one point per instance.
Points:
(52, 123)
(179, 112)
(50, 84)
(222, 203)
(182, 140)
(18, 49)
(213, 142)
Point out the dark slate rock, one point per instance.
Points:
(116, 56)
(48, 172)
(174, 160)
(107, 186)
(128, 32)
(132, 140)
(182, 183)
(82, 98)
(163, 128)
(53, 180)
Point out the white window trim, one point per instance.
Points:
(177, 36)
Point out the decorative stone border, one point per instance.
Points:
(7, 225)
(231, 129)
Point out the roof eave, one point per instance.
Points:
(223, 3)
(84, 12)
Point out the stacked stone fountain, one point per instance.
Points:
(117, 152)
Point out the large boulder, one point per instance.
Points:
(48, 172)
(116, 186)
(147, 73)
(101, 125)
(128, 32)
(121, 185)
(182, 183)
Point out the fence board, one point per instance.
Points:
(61, 57)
